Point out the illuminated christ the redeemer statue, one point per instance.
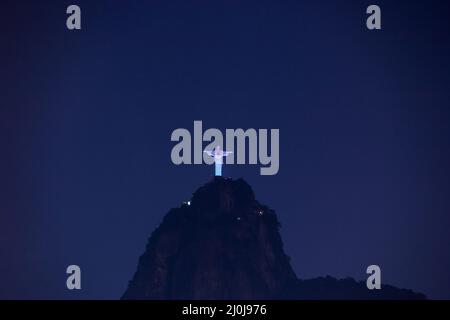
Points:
(218, 155)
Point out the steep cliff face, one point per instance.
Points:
(224, 244)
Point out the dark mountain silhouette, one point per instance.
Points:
(226, 245)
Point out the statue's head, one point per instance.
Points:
(218, 148)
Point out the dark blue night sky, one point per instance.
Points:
(86, 118)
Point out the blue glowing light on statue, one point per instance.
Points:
(218, 155)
